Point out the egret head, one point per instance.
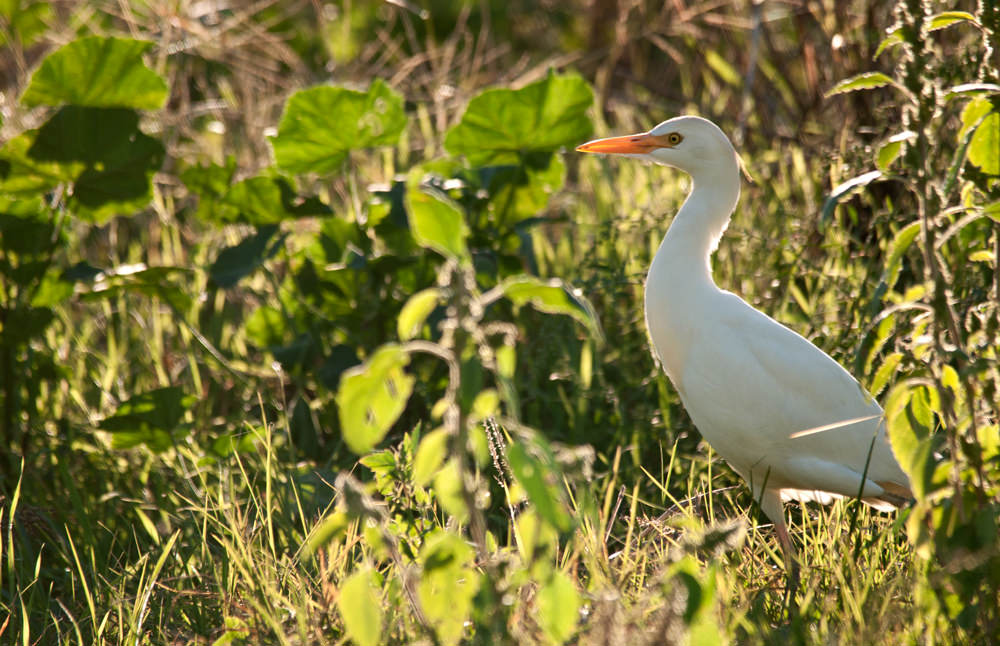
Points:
(691, 144)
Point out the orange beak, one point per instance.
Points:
(630, 144)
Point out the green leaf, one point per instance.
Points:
(431, 453)
(894, 37)
(437, 224)
(97, 72)
(360, 608)
(332, 527)
(531, 474)
(101, 151)
(948, 18)
(321, 125)
(448, 491)
(846, 190)
(910, 437)
(866, 81)
(900, 243)
(885, 372)
(447, 585)
(984, 149)
(415, 312)
(552, 297)
(891, 149)
(240, 260)
(148, 418)
(501, 125)
(372, 396)
(965, 89)
(974, 113)
(558, 607)
(992, 211)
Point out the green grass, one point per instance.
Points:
(606, 519)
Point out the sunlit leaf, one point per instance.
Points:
(431, 453)
(971, 88)
(895, 37)
(322, 124)
(558, 607)
(437, 224)
(447, 584)
(501, 125)
(415, 312)
(890, 150)
(847, 189)
(448, 490)
(948, 18)
(360, 608)
(330, 528)
(900, 243)
(97, 72)
(553, 297)
(531, 474)
(907, 416)
(885, 372)
(984, 149)
(372, 396)
(866, 81)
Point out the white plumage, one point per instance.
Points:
(787, 417)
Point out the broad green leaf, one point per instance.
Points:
(101, 151)
(501, 125)
(148, 418)
(448, 490)
(948, 18)
(910, 436)
(437, 224)
(261, 201)
(372, 396)
(415, 312)
(322, 124)
(447, 585)
(973, 114)
(992, 211)
(361, 608)
(558, 607)
(900, 243)
(242, 259)
(97, 72)
(552, 297)
(866, 81)
(486, 404)
(537, 540)
(984, 149)
(431, 453)
(506, 361)
(531, 474)
(847, 189)
(890, 150)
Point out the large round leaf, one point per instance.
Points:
(322, 124)
(500, 125)
(97, 72)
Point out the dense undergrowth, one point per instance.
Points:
(313, 330)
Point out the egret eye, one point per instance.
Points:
(674, 138)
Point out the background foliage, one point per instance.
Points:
(311, 330)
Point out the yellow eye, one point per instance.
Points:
(674, 138)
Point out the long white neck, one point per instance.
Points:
(679, 282)
(684, 255)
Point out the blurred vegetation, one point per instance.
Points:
(312, 331)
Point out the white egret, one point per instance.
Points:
(786, 416)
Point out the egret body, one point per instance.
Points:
(786, 416)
